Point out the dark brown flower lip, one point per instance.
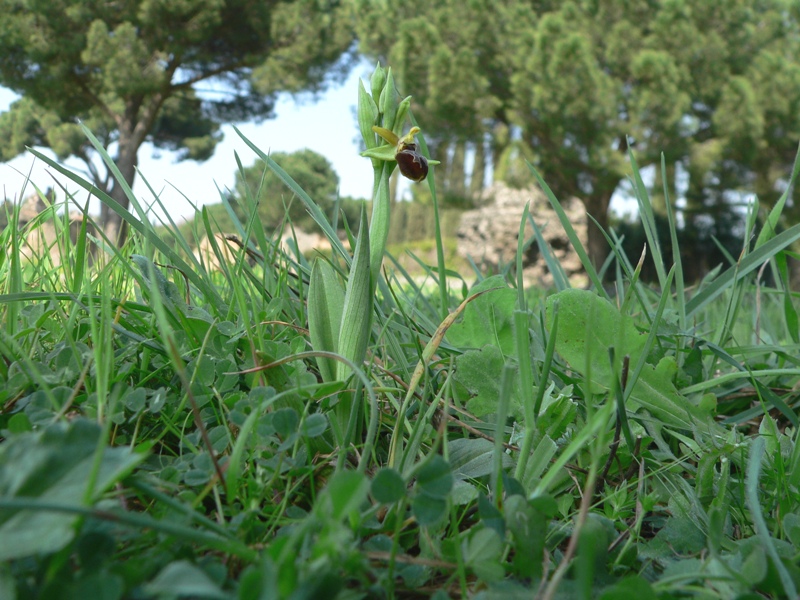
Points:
(411, 163)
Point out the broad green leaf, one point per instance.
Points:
(592, 553)
(479, 372)
(490, 516)
(435, 478)
(344, 494)
(98, 586)
(285, 421)
(428, 510)
(182, 578)
(588, 327)
(488, 319)
(388, 486)
(482, 554)
(473, 457)
(53, 466)
(791, 525)
(463, 492)
(528, 528)
(630, 587)
(315, 425)
(754, 568)
(683, 535)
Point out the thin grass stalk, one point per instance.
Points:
(396, 444)
(426, 320)
(144, 228)
(503, 401)
(411, 451)
(100, 316)
(762, 531)
(583, 512)
(81, 255)
(748, 264)
(634, 375)
(560, 279)
(14, 281)
(571, 234)
(253, 227)
(629, 271)
(633, 287)
(531, 407)
(773, 218)
(311, 206)
(175, 231)
(442, 270)
(680, 288)
(648, 219)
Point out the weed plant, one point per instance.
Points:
(280, 428)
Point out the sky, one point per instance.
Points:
(326, 125)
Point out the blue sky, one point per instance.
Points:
(327, 125)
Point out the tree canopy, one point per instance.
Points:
(312, 172)
(130, 71)
(715, 86)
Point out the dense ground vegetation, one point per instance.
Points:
(280, 428)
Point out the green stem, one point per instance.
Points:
(379, 224)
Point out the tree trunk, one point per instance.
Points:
(597, 207)
(113, 225)
(456, 187)
(133, 126)
(477, 179)
(442, 170)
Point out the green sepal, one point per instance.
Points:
(384, 152)
(367, 116)
(400, 115)
(388, 102)
(377, 81)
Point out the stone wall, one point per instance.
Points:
(489, 234)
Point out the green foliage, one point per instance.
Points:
(312, 172)
(711, 237)
(714, 86)
(130, 73)
(166, 431)
(56, 467)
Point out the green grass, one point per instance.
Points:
(172, 432)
